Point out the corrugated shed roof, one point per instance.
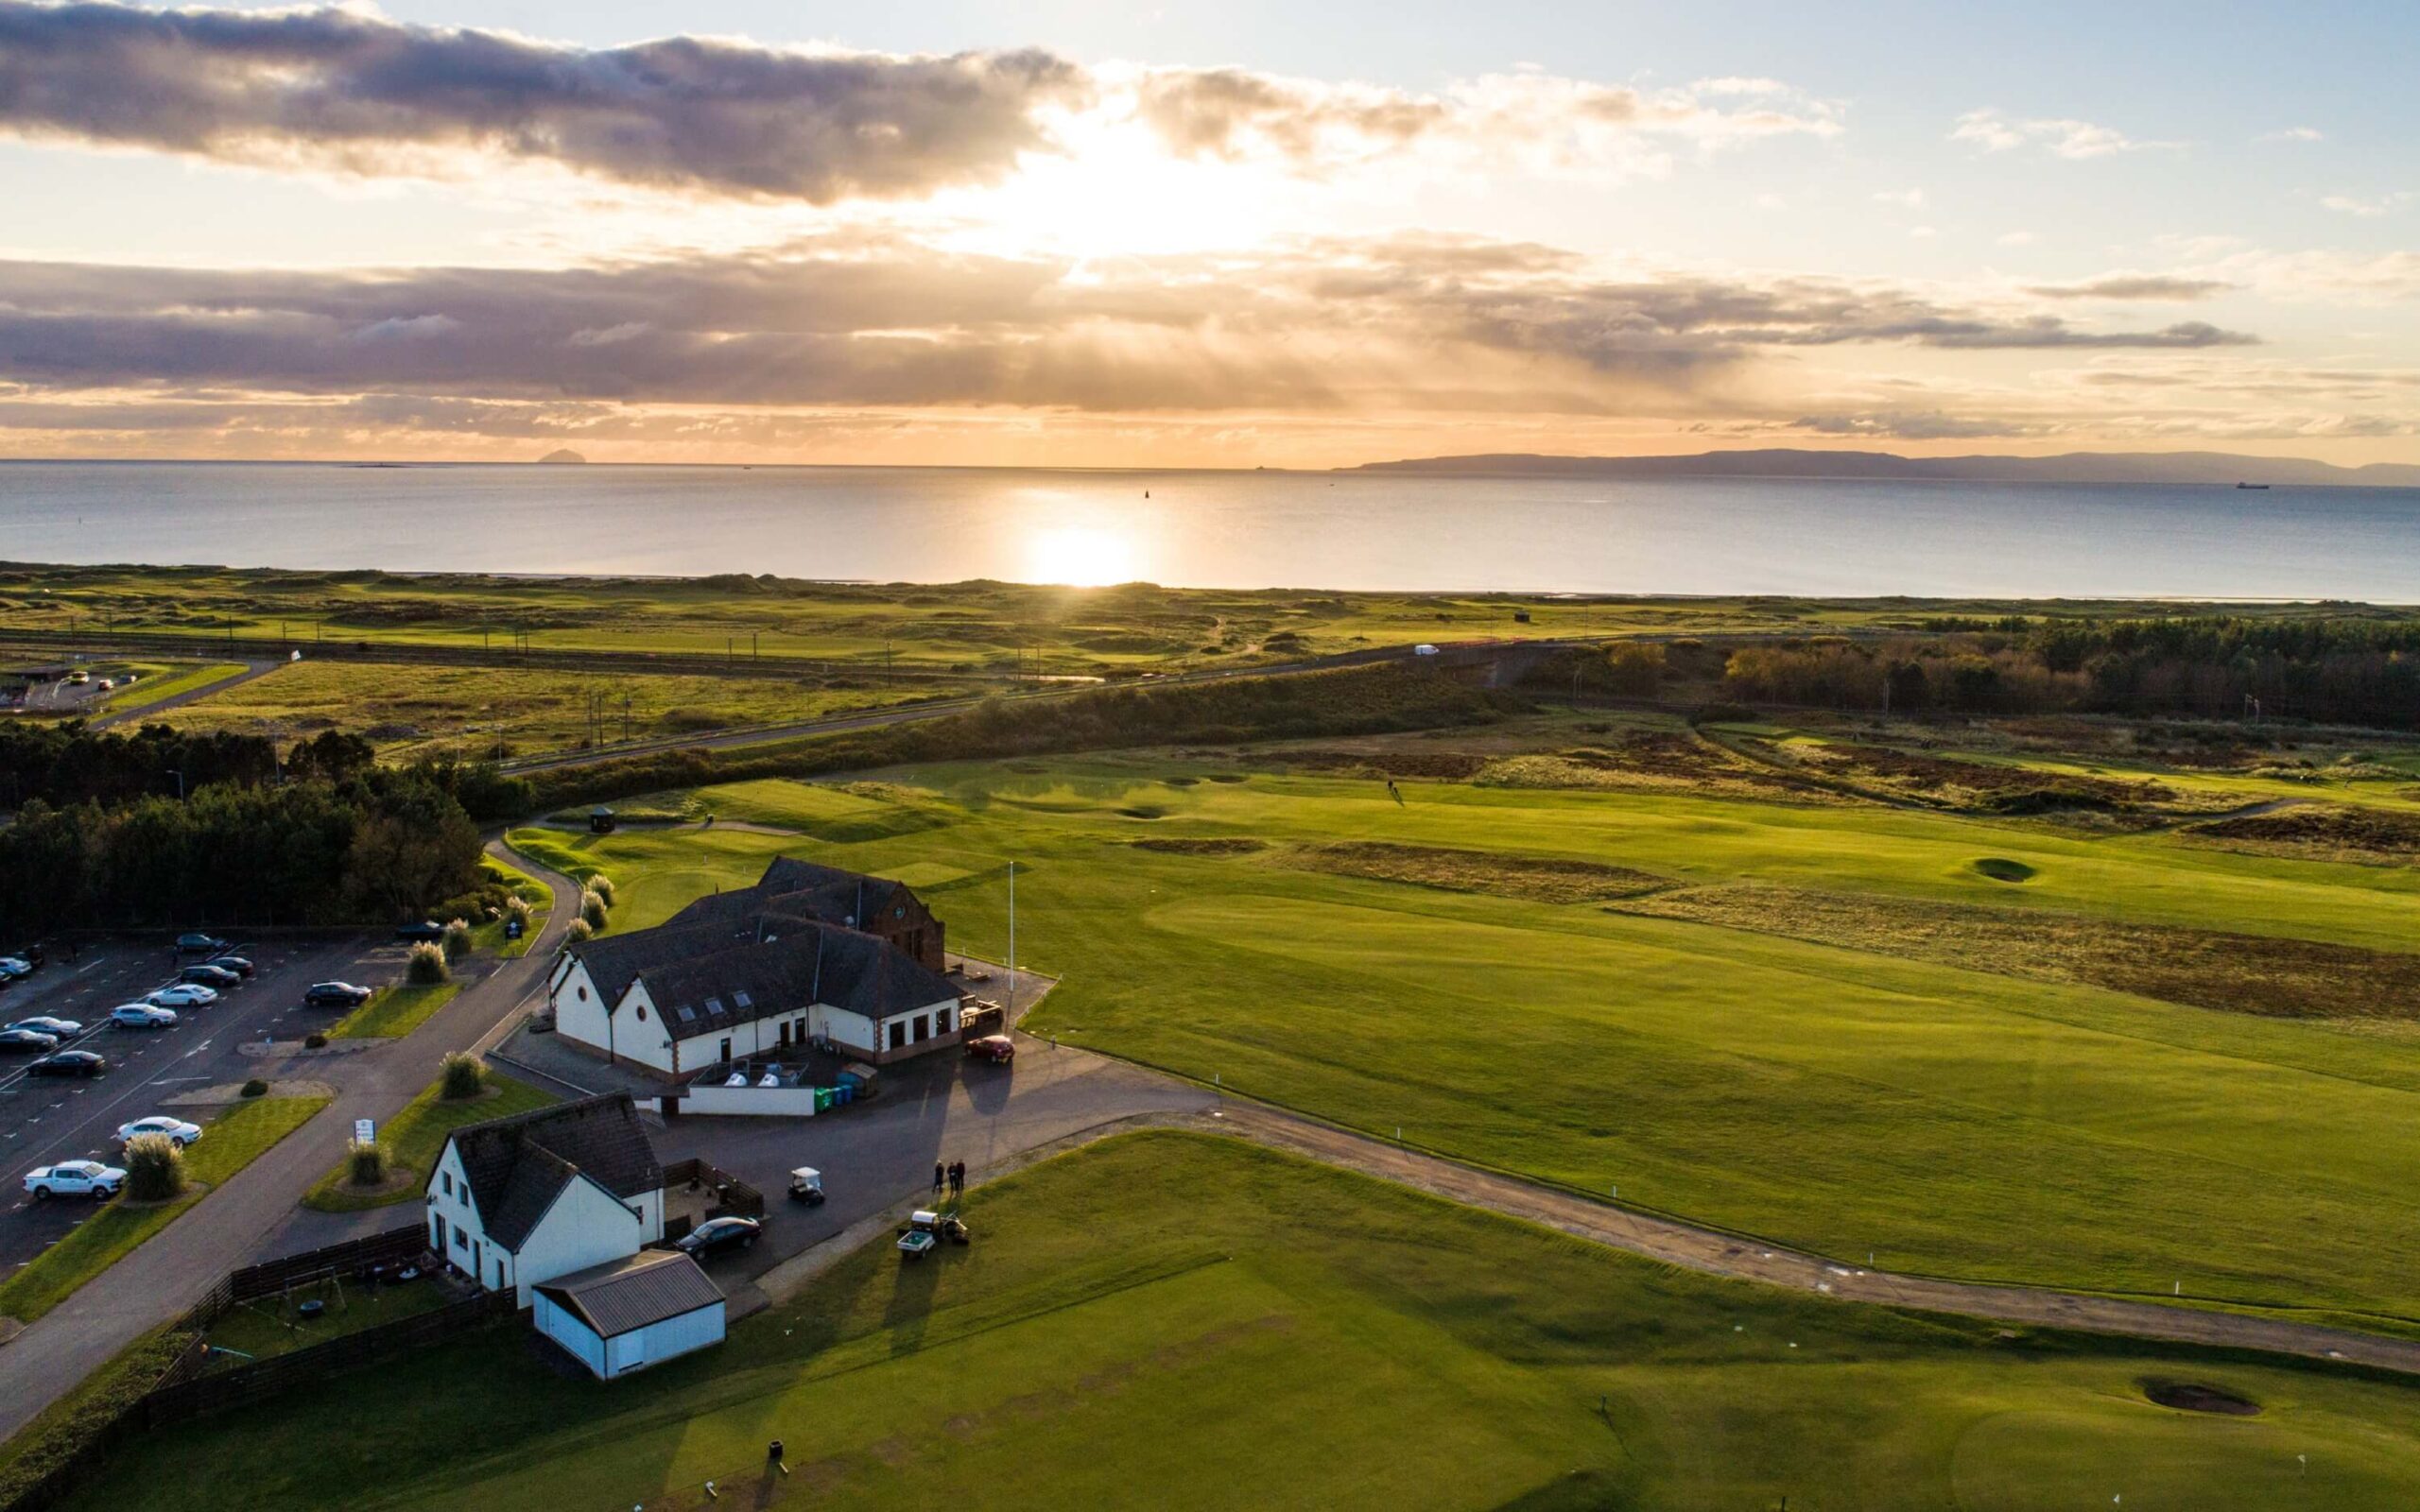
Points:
(624, 1294)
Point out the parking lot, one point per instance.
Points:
(44, 1121)
(941, 1107)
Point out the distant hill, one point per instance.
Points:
(562, 457)
(1788, 462)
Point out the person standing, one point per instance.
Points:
(940, 1175)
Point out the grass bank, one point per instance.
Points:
(396, 1009)
(233, 1141)
(1233, 1328)
(415, 1136)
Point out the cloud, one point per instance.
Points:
(2293, 133)
(1911, 199)
(1913, 425)
(1429, 324)
(1551, 122)
(2368, 208)
(1993, 131)
(2133, 287)
(348, 88)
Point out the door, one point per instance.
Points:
(785, 1033)
(633, 1350)
(726, 1050)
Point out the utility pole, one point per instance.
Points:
(1011, 1016)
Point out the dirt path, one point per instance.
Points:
(1721, 1254)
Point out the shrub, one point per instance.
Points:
(579, 931)
(602, 885)
(426, 966)
(457, 943)
(314, 1041)
(465, 1075)
(518, 907)
(592, 910)
(366, 1163)
(256, 1088)
(155, 1168)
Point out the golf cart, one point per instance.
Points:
(806, 1185)
(926, 1230)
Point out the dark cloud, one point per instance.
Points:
(1418, 322)
(685, 113)
(2133, 287)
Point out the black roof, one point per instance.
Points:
(774, 948)
(632, 1292)
(516, 1166)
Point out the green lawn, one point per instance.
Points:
(231, 1141)
(1177, 1321)
(161, 680)
(1947, 1120)
(396, 1009)
(415, 1136)
(272, 1325)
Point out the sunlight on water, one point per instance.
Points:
(1080, 557)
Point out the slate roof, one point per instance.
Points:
(624, 1294)
(518, 1165)
(772, 949)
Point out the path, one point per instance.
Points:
(208, 690)
(168, 1273)
(1741, 1259)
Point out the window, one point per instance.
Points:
(461, 1240)
(940, 1021)
(924, 1028)
(714, 1008)
(446, 1180)
(899, 1033)
(742, 999)
(688, 1014)
(584, 994)
(641, 1010)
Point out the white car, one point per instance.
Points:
(45, 1023)
(176, 1128)
(13, 967)
(142, 1016)
(182, 995)
(74, 1179)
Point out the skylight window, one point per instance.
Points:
(713, 1005)
(741, 1000)
(688, 1014)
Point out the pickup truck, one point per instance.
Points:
(74, 1179)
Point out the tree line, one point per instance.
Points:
(2323, 670)
(317, 835)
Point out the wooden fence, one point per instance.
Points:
(733, 1196)
(183, 1391)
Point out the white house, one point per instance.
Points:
(631, 1313)
(520, 1200)
(755, 971)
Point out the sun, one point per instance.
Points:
(1080, 557)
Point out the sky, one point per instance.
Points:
(1233, 235)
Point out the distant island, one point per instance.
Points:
(2213, 468)
(562, 457)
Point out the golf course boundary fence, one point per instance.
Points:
(183, 1391)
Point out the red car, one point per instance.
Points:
(996, 1048)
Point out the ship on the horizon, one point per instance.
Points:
(2256, 486)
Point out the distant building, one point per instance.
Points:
(809, 952)
(521, 1200)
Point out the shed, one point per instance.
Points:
(631, 1312)
(601, 819)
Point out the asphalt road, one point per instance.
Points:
(142, 712)
(43, 1121)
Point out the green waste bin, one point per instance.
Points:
(823, 1099)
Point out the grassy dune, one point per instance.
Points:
(1934, 1109)
(1186, 1322)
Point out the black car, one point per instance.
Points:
(26, 1043)
(716, 1235)
(209, 975)
(237, 964)
(200, 945)
(337, 995)
(428, 929)
(69, 1063)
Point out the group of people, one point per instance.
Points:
(950, 1177)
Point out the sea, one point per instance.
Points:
(1231, 529)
